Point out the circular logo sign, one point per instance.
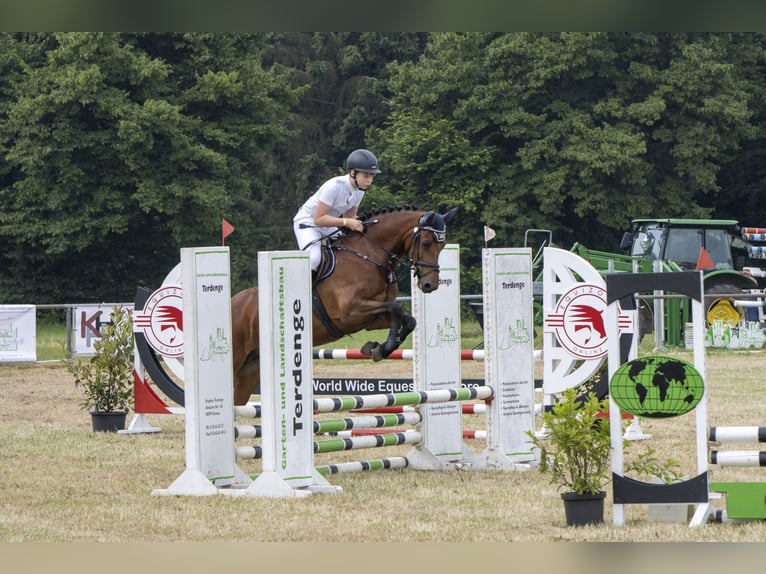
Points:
(578, 321)
(161, 321)
(657, 387)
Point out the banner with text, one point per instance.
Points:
(86, 325)
(18, 333)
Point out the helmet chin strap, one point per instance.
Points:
(356, 183)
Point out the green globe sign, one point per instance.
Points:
(657, 387)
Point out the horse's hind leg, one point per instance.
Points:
(401, 326)
(247, 380)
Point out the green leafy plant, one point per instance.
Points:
(576, 443)
(647, 465)
(575, 446)
(106, 379)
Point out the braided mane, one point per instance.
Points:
(384, 210)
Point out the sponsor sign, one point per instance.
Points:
(18, 333)
(86, 325)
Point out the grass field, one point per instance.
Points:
(61, 482)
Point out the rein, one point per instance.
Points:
(393, 259)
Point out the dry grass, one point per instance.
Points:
(61, 482)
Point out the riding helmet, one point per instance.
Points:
(362, 160)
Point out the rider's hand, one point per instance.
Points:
(353, 224)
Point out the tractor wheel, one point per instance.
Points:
(722, 308)
(645, 319)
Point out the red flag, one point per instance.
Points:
(704, 261)
(227, 229)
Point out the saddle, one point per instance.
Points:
(326, 264)
(326, 267)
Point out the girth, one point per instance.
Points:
(321, 313)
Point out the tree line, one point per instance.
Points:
(118, 149)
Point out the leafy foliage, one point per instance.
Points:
(135, 144)
(576, 446)
(573, 132)
(106, 379)
(138, 144)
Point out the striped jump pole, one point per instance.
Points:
(738, 457)
(368, 432)
(369, 422)
(737, 434)
(744, 500)
(465, 408)
(248, 411)
(730, 434)
(390, 463)
(372, 441)
(399, 354)
(334, 404)
(342, 444)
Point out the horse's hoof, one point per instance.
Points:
(377, 354)
(369, 348)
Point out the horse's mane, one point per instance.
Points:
(384, 210)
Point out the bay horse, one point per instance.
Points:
(360, 291)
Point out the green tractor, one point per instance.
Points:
(729, 255)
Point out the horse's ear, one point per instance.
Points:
(450, 214)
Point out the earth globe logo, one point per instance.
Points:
(657, 387)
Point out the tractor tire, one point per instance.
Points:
(722, 308)
(645, 319)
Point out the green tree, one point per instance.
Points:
(573, 132)
(122, 148)
(343, 78)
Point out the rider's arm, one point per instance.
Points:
(322, 218)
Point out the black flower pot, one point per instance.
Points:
(582, 509)
(112, 421)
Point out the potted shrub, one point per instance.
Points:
(106, 379)
(575, 448)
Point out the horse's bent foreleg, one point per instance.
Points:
(408, 326)
(401, 326)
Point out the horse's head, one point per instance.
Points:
(430, 237)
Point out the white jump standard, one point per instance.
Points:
(287, 403)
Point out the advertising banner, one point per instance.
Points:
(18, 333)
(86, 325)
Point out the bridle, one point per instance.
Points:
(415, 264)
(440, 236)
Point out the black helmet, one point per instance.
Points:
(362, 160)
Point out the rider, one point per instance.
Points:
(335, 205)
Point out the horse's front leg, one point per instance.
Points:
(401, 326)
(408, 326)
